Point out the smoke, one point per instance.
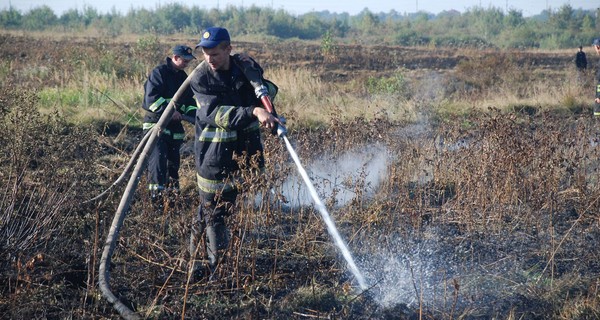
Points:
(339, 176)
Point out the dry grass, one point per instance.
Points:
(486, 210)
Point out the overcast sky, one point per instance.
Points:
(528, 7)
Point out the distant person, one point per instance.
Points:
(228, 136)
(160, 87)
(596, 45)
(581, 60)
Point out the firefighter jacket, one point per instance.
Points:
(159, 89)
(225, 126)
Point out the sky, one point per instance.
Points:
(297, 7)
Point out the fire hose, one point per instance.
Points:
(113, 235)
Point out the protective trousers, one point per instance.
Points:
(210, 218)
(163, 164)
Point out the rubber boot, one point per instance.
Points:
(196, 267)
(217, 240)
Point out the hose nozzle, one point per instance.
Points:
(281, 130)
(262, 92)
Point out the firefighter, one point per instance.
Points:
(596, 45)
(227, 126)
(161, 85)
(580, 60)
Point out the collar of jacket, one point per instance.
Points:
(169, 63)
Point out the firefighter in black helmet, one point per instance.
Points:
(160, 87)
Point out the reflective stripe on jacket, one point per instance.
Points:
(225, 126)
(160, 87)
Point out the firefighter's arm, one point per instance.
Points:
(187, 107)
(226, 117)
(154, 100)
(265, 118)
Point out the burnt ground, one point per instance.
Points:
(507, 231)
(343, 63)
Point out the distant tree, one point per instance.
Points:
(10, 18)
(311, 27)
(587, 25)
(485, 23)
(142, 21)
(172, 18)
(89, 15)
(198, 20)
(258, 20)
(39, 18)
(514, 18)
(283, 25)
(71, 19)
(339, 27)
(563, 19)
(477, 27)
(367, 22)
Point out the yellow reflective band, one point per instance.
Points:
(186, 109)
(597, 113)
(222, 117)
(156, 105)
(178, 136)
(155, 187)
(217, 135)
(148, 125)
(214, 186)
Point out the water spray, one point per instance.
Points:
(262, 93)
(331, 228)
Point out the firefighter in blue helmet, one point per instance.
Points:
(227, 132)
(160, 87)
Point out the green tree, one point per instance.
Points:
(70, 19)
(10, 18)
(563, 19)
(39, 18)
(172, 18)
(283, 25)
(486, 22)
(367, 22)
(514, 19)
(311, 27)
(90, 14)
(588, 25)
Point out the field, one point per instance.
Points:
(464, 182)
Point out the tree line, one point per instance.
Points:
(478, 27)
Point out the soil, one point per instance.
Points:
(282, 263)
(345, 63)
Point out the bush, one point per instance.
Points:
(44, 165)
